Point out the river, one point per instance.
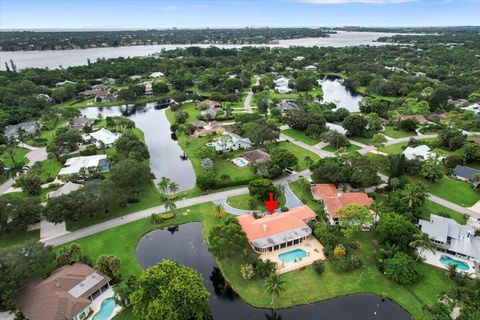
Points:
(185, 244)
(66, 58)
(164, 151)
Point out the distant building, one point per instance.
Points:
(475, 108)
(148, 88)
(80, 123)
(420, 152)
(299, 58)
(466, 174)
(236, 142)
(109, 81)
(452, 237)
(74, 165)
(156, 74)
(100, 86)
(89, 93)
(45, 97)
(256, 156)
(281, 85)
(285, 106)
(204, 128)
(30, 128)
(61, 84)
(67, 293)
(103, 138)
(311, 68)
(279, 230)
(335, 200)
(135, 77)
(418, 117)
(105, 96)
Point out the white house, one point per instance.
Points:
(74, 165)
(281, 82)
(105, 136)
(336, 127)
(135, 77)
(235, 142)
(299, 58)
(156, 74)
(422, 152)
(311, 68)
(452, 237)
(475, 108)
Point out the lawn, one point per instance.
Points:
(301, 136)
(396, 148)
(301, 287)
(363, 91)
(11, 239)
(298, 151)
(242, 202)
(350, 149)
(455, 191)
(190, 108)
(396, 134)
(366, 141)
(431, 207)
(18, 155)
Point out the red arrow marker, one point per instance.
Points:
(271, 204)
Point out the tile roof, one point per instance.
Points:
(335, 200)
(275, 224)
(49, 299)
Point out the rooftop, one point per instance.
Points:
(73, 165)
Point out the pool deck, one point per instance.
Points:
(314, 251)
(97, 304)
(434, 260)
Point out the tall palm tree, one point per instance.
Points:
(219, 211)
(422, 242)
(415, 194)
(173, 187)
(274, 286)
(163, 185)
(169, 204)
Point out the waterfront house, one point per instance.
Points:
(74, 165)
(203, 128)
(235, 142)
(68, 293)
(102, 138)
(30, 128)
(451, 237)
(279, 230)
(148, 88)
(88, 93)
(105, 96)
(80, 123)
(334, 200)
(466, 174)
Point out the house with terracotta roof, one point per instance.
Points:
(68, 293)
(335, 200)
(279, 230)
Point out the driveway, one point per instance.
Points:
(37, 155)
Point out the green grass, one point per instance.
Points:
(49, 169)
(306, 197)
(11, 239)
(190, 108)
(366, 141)
(396, 134)
(298, 151)
(301, 287)
(301, 136)
(18, 155)
(363, 91)
(350, 149)
(455, 191)
(396, 148)
(431, 207)
(242, 202)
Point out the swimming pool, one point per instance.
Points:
(106, 310)
(240, 162)
(292, 255)
(446, 260)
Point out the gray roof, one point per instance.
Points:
(29, 127)
(211, 110)
(462, 238)
(286, 105)
(283, 237)
(465, 172)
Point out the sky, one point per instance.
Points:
(141, 14)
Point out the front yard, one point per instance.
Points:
(301, 136)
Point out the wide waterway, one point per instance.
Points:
(185, 244)
(165, 153)
(66, 58)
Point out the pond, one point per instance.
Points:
(334, 90)
(165, 153)
(185, 244)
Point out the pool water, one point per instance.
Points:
(446, 260)
(240, 162)
(106, 310)
(292, 255)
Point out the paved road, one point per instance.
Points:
(74, 235)
(248, 100)
(292, 200)
(320, 152)
(454, 206)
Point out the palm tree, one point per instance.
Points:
(173, 187)
(452, 271)
(274, 286)
(163, 185)
(422, 242)
(414, 194)
(219, 211)
(308, 160)
(169, 204)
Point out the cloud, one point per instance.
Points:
(355, 1)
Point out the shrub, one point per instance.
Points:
(155, 218)
(247, 271)
(318, 266)
(284, 209)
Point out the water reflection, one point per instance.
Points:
(188, 248)
(334, 90)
